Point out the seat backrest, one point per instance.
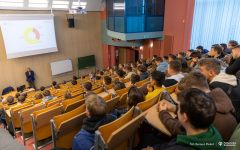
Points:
(143, 88)
(125, 80)
(140, 83)
(111, 104)
(8, 118)
(95, 86)
(42, 121)
(74, 105)
(97, 91)
(121, 92)
(74, 89)
(109, 128)
(143, 106)
(37, 101)
(25, 119)
(122, 101)
(67, 102)
(77, 91)
(108, 86)
(108, 97)
(115, 79)
(54, 100)
(171, 89)
(125, 132)
(189, 62)
(67, 126)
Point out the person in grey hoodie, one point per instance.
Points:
(47, 96)
(211, 68)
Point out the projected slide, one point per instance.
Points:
(28, 35)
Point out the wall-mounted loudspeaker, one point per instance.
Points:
(70, 21)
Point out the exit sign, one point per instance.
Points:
(146, 36)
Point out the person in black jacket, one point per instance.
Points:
(234, 65)
(142, 72)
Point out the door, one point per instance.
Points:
(136, 55)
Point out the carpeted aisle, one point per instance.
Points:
(7, 142)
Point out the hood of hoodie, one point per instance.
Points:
(221, 100)
(212, 137)
(225, 78)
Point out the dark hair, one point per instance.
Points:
(64, 82)
(196, 54)
(74, 82)
(38, 96)
(24, 94)
(118, 85)
(17, 95)
(142, 68)
(175, 65)
(120, 73)
(46, 93)
(223, 45)
(66, 96)
(135, 78)
(233, 43)
(158, 77)
(57, 86)
(135, 96)
(74, 78)
(191, 50)
(54, 83)
(185, 67)
(200, 47)
(88, 86)
(98, 78)
(134, 64)
(128, 68)
(107, 80)
(101, 73)
(183, 54)
(198, 106)
(42, 88)
(217, 48)
(195, 79)
(21, 99)
(159, 59)
(165, 57)
(10, 99)
(155, 56)
(172, 56)
(139, 62)
(211, 64)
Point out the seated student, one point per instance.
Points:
(225, 49)
(171, 57)
(87, 87)
(232, 44)
(74, 82)
(117, 85)
(224, 121)
(107, 80)
(181, 55)
(21, 100)
(196, 56)
(115, 67)
(47, 96)
(42, 88)
(149, 63)
(96, 117)
(211, 68)
(66, 96)
(165, 58)
(196, 112)
(154, 57)
(161, 65)
(201, 50)
(174, 70)
(92, 76)
(129, 72)
(16, 96)
(63, 82)
(234, 65)
(120, 66)
(111, 71)
(57, 87)
(54, 83)
(98, 78)
(10, 100)
(142, 72)
(156, 81)
(24, 94)
(185, 67)
(38, 96)
(134, 78)
(74, 78)
(188, 54)
(139, 62)
(101, 73)
(120, 74)
(215, 52)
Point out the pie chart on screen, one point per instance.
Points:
(31, 35)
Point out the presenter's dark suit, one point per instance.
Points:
(30, 79)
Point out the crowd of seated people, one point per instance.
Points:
(207, 104)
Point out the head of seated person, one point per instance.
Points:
(21, 99)
(107, 80)
(57, 87)
(156, 80)
(189, 52)
(118, 85)
(74, 82)
(158, 60)
(66, 96)
(87, 87)
(101, 72)
(133, 65)
(174, 67)
(172, 57)
(215, 51)
(120, 74)
(155, 56)
(54, 83)
(17, 95)
(120, 66)
(92, 75)
(95, 106)
(98, 77)
(64, 82)
(181, 55)
(232, 43)
(185, 67)
(38, 96)
(46, 93)
(196, 56)
(236, 52)
(139, 62)
(134, 78)
(135, 96)
(10, 100)
(42, 88)
(165, 58)
(24, 94)
(74, 78)
(141, 69)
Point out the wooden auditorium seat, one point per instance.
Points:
(108, 97)
(125, 80)
(99, 90)
(143, 88)
(143, 106)
(171, 89)
(111, 104)
(108, 86)
(69, 105)
(53, 102)
(140, 83)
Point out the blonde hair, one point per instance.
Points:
(38, 95)
(96, 105)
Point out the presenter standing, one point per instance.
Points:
(30, 78)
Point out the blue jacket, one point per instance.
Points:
(204, 51)
(30, 77)
(86, 138)
(162, 66)
(7, 90)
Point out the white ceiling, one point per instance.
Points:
(89, 5)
